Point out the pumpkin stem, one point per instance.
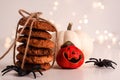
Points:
(67, 43)
(69, 26)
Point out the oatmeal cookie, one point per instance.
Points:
(34, 51)
(36, 33)
(39, 43)
(35, 59)
(42, 25)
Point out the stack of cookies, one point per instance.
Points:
(40, 49)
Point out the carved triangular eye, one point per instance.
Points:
(66, 56)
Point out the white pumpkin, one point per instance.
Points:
(80, 39)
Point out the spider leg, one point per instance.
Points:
(108, 64)
(34, 74)
(105, 65)
(4, 69)
(100, 60)
(7, 68)
(40, 72)
(10, 67)
(93, 59)
(113, 62)
(112, 66)
(90, 61)
(6, 72)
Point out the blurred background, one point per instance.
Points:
(98, 18)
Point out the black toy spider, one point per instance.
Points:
(102, 63)
(22, 72)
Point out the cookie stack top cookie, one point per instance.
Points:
(39, 23)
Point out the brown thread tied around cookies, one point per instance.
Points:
(33, 24)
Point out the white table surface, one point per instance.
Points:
(85, 72)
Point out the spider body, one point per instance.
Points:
(102, 63)
(22, 72)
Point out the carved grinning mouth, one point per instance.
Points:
(73, 60)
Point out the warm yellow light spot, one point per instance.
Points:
(105, 31)
(80, 21)
(79, 27)
(54, 8)
(98, 5)
(85, 21)
(50, 13)
(56, 3)
(101, 39)
(110, 34)
(108, 46)
(114, 40)
(97, 32)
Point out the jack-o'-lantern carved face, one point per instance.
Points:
(69, 56)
